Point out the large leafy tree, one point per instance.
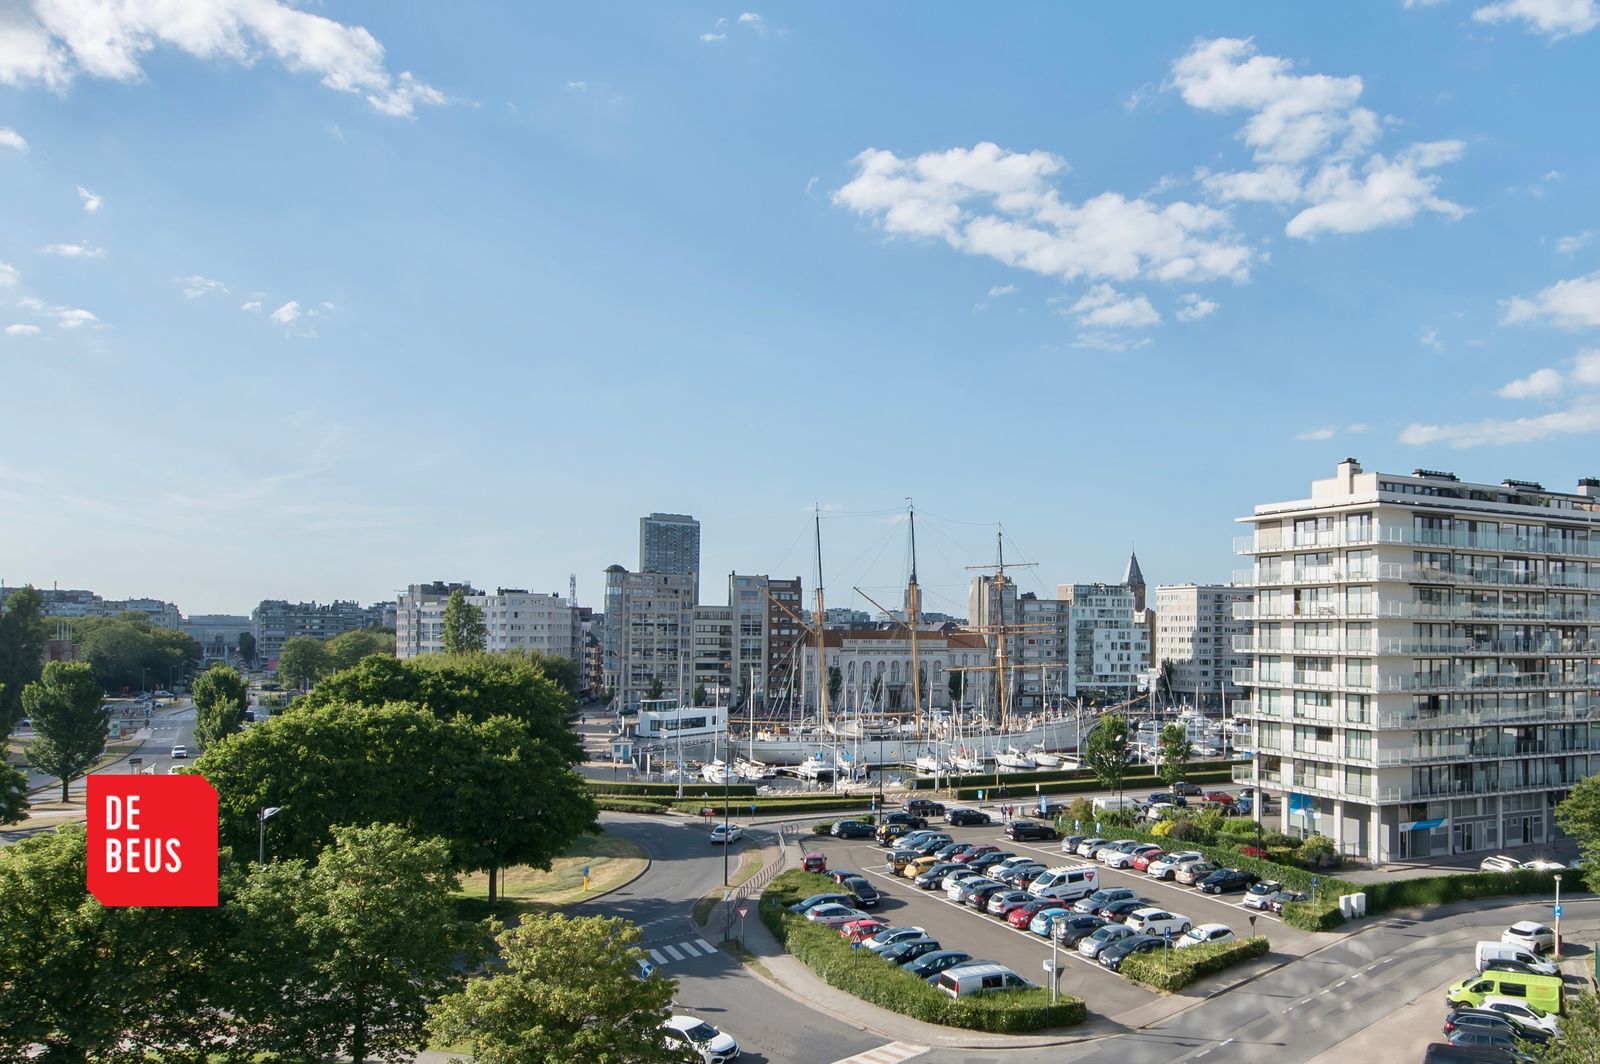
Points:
(1175, 752)
(566, 993)
(221, 696)
(22, 639)
(303, 660)
(247, 649)
(1580, 1034)
(13, 794)
(130, 652)
(1108, 752)
(340, 959)
(90, 983)
(348, 648)
(1579, 816)
(464, 632)
(69, 718)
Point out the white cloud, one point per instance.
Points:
(1422, 3)
(91, 202)
(1569, 244)
(1194, 308)
(1316, 434)
(1003, 290)
(72, 317)
(1586, 366)
(1555, 18)
(708, 37)
(1105, 307)
(57, 40)
(1109, 342)
(8, 275)
(578, 86)
(286, 314)
(22, 330)
(1357, 429)
(1001, 204)
(254, 304)
(73, 251)
(1540, 384)
(10, 138)
(1569, 304)
(1431, 339)
(1581, 418)
(196, 286)
(1274, 183)
(1390, 193)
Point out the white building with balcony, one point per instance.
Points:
(1424, 660)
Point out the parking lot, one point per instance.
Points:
(959, 927)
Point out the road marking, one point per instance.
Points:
(656, 956)
(703, 944)
(689, 949)
(674, 954)
(892, 1053)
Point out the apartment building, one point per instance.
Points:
(670, 543)
(62, 602)
(1196, 633)
(711, 655)
(275, 621)
(648, 620)
(513, 619)
(1424, 659)
(1108, 645)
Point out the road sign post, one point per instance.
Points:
(1558, 915)
(744, 910)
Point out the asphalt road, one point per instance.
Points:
(170, 726)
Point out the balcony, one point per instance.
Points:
(1494, 681)
(1301, 678)
(1273, 542)
(1247, 774)
(1309, 575)
(1259, 610)
(1492, 718)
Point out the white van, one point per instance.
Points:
(1108, 804)
(1067, 883)
(974, 979)
(1484, 952)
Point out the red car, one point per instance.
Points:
(1023, 915)
(866, 927)
(1222, 797)
(974, 853)
(1142, 862)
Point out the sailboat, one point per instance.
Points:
(717, 772)
(1013, 760)
(1039, 757)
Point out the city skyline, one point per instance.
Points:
(295, 314)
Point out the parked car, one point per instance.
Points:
(933, 875)
(951, 850)
(1523, 1015)
(976, 851)
(839, 875)
(1070, 843)
(1029, 829)
(867, 896)
(1021, 916)
(1044, 921)
(851, 829)
(1544, 864)
(1259, 894)
(1484, 953)
(1481, 1037)
(891, 936)
(1090, 847)
(1075, 927)
(1001, 902)
(910, 950)
(1534, 937)
(1101, 898)
(956, 882)
(965, 815)
(1023, 874)
(932, 843)
(986, 861)
(1167, 798)
(1499, 863)
(1205, 935)
(813, 862)
(1118, 857)
(1113, 955)
(1154, 921)
(1185, 789)
(1166, 866)
(693, 1033)
(1142, 859)
(889, 835)
(923, 807)
(1225, 880)
(805, 905)
(984, 977)
(1119, 911)
(833, 915)
(977, 895)
(865, 927)
(1116, 850)
(1220, 797)
(1276, 903)
(1092, 944)
(1194, 872)
(931, 964)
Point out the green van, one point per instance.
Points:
(1543, 992)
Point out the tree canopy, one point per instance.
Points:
(22, 640)
(464, 631)
(348, 648)
(13, 794)
(129, 652)
(69, 718)
(567, 993)
(1175, 752)
(247, 648)
(303, 660)
(1107, 751)
(220, 698)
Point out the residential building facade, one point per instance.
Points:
(670, 543)
(1424, 660)
(58, 602)
(711, 655)
(275, 621)
(648, 621)
(1108, 647)
(875, 667)
(1196, 633)
(513, 619)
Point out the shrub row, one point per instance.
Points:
(772, 806)
(629, 805)
(1199, 772)
(1438, 890)
(1084, 786)
(860, 973)
(1172, 970)
(696, 788)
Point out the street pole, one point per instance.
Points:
(1558, 915)
(727, 767)
(1055, 975)
(262, 816)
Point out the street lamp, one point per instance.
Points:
(1558, 914)
(267, 813)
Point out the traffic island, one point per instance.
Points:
(858, 972)
(1170, 970)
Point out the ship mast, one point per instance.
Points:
(913, 607)
(822, 660)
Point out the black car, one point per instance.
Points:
(1021, 875)
(820, 899)
(931, 964)
(1029, 829)
(989, 860)
(963, 815)
(867, 895)
(932, 844)
(851, 829)
(923, 807)
(910, 950)
(1167, 796)
(1070, 930)
(1118, 911)
(1185, 789)
(1487, 1020)
(1482, 1037)
(1113, 955)
(934, 876)
(979, 899)
(1224, 880)
(1445, 1053)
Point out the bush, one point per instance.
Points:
(822, 827)
(1163, 829)
(860, 973)
(1187, 831)
(1277, 840)
(1317, 852)
(699, 791)
(1159, 971)
(1438, 890)
(629, 805)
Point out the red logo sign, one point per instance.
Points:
(152, 840)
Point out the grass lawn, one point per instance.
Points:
(612, 860)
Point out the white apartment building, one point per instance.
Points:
(1108, 647)
(513, 619)
(648, 622)
(1196, 631)
(1424, 660)
(711, 655)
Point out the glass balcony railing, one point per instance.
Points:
(1273, 542)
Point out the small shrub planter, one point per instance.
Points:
(1159, 971)
(860, 972)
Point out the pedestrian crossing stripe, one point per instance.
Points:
(892, 1053)
(679, 951)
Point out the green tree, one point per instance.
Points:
(1580, 1034)
(567, 994)
(1108, 753)
(464, 632)
(90, 983)
(347, 648)
(957, 683)
(69, 718)
(1579, 816)
(655, 687)
(130, 652)
(221, 696)
(247, 649)
(699, 694)
(13, 796)
(303, 661)
(22, 639)
(340, 959)
(1175, 753)
(875, 690)
(835, 684)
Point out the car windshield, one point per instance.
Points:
(701, 1032)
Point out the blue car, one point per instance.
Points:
(1044, 920)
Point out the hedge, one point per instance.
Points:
(691, 788)
(1159, 971)
(629, 805)
(1198, 772)
(1438, 890)
(773, 806)
(1085, 786)
(859, 972)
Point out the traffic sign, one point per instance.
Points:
(646, 969)
(1049, 965)
(1558, 910)
(744, 910)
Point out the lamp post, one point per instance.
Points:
(267, 813)
(1558, 915)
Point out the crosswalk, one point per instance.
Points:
(681, 951)
(886, 1054)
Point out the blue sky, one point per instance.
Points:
(318, 301)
